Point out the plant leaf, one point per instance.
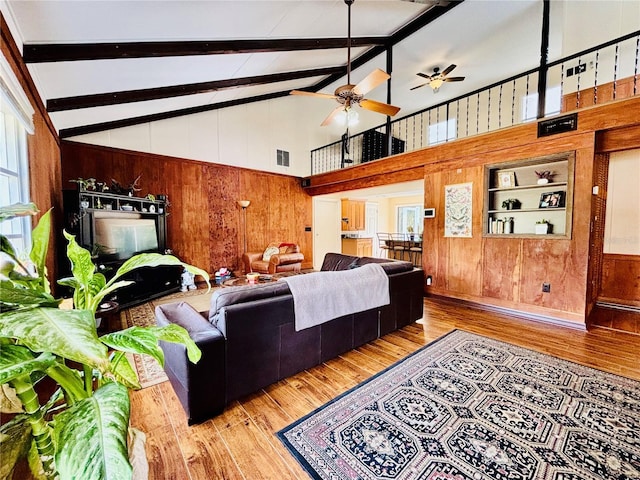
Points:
(40, 246)
(9, 401)
(15, 295)
(15, 438)
(155, 260)
(17, 210)
(91, 436)
(70, 334)
(123, 372)
(82, 267)
(16, 361)
(176, 334)
(6, 247)
(141, 340)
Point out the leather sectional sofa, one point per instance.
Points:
(248, 338)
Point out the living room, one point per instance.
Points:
(204, 174)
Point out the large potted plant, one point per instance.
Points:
(80, 431)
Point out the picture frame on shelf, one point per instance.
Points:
(552, 200)
(506, 179)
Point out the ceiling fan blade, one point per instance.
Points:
(371, 81)
(311, 94)
(332, 115)
(453, 79)
(419, 86)
(424, 75)
(379, 107)
(448, 70)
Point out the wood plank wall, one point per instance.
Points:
(620, 279)
(205, 222)
(504, 272)
(43, 150)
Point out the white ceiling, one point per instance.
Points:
(489, 40)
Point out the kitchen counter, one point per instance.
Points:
(361, 247)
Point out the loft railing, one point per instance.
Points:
(598, 75)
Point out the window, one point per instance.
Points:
(15, 123)
(282, 158)
(409, 216)
(442, 132)
(552, 102)
(14, 185)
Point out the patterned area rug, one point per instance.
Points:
(469, 407)
(143, 315)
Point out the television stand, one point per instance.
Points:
(114, 228)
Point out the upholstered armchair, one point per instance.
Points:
(277, 257)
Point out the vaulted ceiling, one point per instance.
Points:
(103, 64)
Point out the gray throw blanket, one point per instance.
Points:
(322, 296)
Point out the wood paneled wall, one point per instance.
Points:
(620, 279)
(43, 150)
(504, 272)
(205, 223)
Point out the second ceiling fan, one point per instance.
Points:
(349, 95)
(437, 78)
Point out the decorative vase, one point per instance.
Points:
(542, 181)
(507, 226)
(542, 228)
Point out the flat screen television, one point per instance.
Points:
(121, 238)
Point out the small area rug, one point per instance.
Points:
(469, 407)
(149, 371)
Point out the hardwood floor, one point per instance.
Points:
(241, 443)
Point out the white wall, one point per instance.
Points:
(622, 222)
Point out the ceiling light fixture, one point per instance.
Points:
(348, 117)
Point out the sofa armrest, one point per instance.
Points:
(286, 258)
(200, 387)
(249, 257)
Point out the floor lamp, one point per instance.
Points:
(244, 204)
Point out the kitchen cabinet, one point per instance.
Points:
(361, 247)
(353, 215)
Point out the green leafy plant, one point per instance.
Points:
(80, 432)
(511, 204)
(539, 222)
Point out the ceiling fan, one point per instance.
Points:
(437, 78)
(349, 95)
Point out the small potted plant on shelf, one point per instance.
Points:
(511, 204)
(544, 176)
(543, 227)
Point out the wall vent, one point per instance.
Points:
(282, 158)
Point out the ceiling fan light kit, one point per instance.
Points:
(349, 95)
(437, 78)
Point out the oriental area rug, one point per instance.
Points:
(469, 407)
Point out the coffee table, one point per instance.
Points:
(242, 280)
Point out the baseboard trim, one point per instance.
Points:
(619, 306)
(511, 312)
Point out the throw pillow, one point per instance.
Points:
(270, 250)
(284, 247)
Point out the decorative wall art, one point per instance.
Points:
(458, 210)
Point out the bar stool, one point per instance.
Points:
(399, 245)
(415, 250)
(384, 243)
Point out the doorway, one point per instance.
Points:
(326, 228)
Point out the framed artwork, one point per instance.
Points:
(458, 210)
(552, 200)
(506, 179)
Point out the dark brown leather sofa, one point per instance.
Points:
(248, 338)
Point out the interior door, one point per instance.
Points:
(326, 228)
(371, 226)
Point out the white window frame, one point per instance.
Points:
(402, 218)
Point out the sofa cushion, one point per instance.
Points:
(337, 261)
(389, 266)
(233, 295)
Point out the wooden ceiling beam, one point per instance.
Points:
(130, 96)
(70, 52)
(128, 122)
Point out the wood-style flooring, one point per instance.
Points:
(241, 443)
